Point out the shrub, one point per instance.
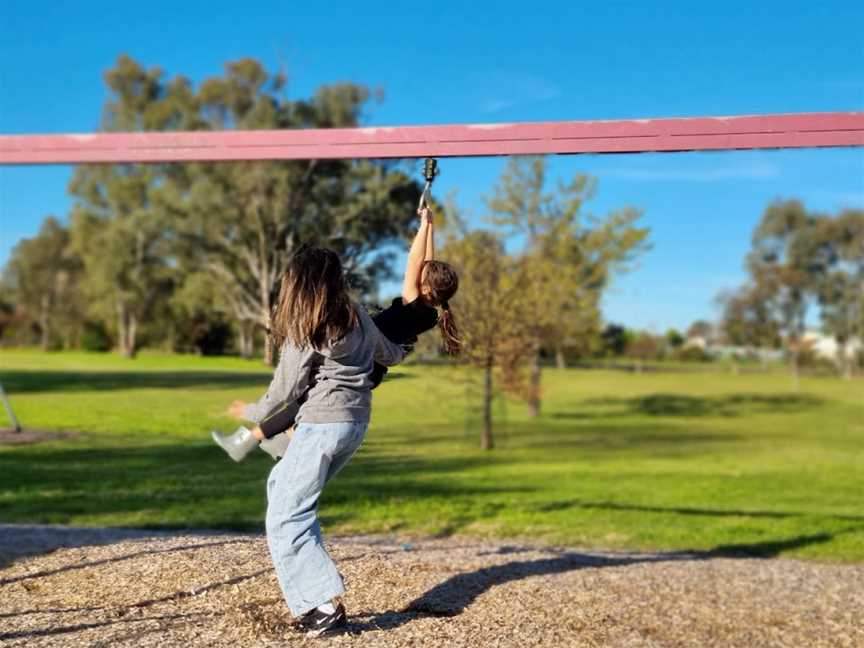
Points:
(692, 354)
(95, 338)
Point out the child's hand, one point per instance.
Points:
(236, 408)
(425, 214)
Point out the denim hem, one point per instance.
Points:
(306, 608)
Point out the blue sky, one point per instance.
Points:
(449, 62)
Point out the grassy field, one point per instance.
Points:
(703, 462)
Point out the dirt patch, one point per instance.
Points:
(107, 587)
(9, 436)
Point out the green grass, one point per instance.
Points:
(704, 462)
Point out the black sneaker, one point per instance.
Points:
(321, 624)
(305, 621)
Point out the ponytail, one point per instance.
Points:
(441, 282)
(449, 332)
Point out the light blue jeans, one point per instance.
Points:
(305, 570)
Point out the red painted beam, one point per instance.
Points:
(621, 136)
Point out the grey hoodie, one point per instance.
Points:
(340, 388)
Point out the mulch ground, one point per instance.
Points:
(108, 587)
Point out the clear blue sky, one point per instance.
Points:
(445, 62)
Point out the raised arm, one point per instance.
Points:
(430, 236)
(416, 257)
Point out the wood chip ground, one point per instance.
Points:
(108, 587)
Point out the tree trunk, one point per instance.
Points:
(560, 360)
(796, 382)
(121, 326)
(246, 340)
(130, 344)
(45, 323)
(127, 329)
(486, 442)
(534, 387)
(795, 341)
(132, 336)
(270, 353)
(845, 362)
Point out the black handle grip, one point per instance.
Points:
(430, 169)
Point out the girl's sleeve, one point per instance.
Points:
(290, 381)
(387, 353)
(384, 352)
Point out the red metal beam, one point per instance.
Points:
(621, 136)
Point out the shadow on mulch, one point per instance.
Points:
(26, 540)
(449, 598)
(60, 630)
(452, 596)
(116, 535)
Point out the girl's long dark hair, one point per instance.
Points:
(442, 282)
(449, 332)
(314, 307)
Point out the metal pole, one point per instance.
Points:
(15, 424)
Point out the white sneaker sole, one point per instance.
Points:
(218, 440)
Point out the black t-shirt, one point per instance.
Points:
(401, 323)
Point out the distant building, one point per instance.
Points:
(727, 351)
(696, 342)
(821, 345)
(723, 352)
(825, 346)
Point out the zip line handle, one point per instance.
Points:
(430, 170)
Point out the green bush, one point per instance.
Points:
(692, 354)
(215, 339)
(95, 338)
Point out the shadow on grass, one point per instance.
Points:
(647, 438)
(22, 382)
(651, 437)
(562, 505)
(681, 405)
(196, 486)
(32, 381)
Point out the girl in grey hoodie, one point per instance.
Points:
(328, 352)
(427, 288)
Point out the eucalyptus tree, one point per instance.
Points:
(841, 294)
(788, 262)
(42, 277)
(238, 223)
(143, 231)
(120, 226)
